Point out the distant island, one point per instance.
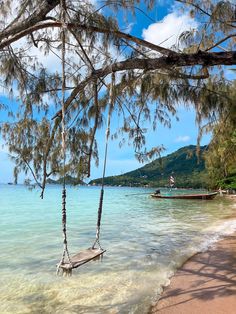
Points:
(187, 168)
(68, 179)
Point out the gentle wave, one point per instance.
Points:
(146, 241)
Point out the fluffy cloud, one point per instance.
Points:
(167, 31)
(183, 139)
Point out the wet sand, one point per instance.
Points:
(205, 284)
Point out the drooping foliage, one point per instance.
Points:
(151, 80)
(221, 155)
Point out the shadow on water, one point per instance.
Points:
(98, 309)
(38, 302)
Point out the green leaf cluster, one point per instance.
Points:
(151, 81)
(221, 155)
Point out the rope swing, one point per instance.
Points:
(68, 263)
(111, 99)
(65, 252)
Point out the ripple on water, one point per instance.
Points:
(146, 240)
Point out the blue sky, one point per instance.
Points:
(120, 160)
(183, 132)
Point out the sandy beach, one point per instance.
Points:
(206, 283)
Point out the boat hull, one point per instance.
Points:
(206, 196)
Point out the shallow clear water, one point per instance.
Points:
(146, 240)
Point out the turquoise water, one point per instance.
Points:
(146, 240)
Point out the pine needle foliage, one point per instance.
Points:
(151, 80)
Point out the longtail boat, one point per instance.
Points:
(204, 196)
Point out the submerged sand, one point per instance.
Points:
(205, 284)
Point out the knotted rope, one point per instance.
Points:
(63, 138)
(100, 207)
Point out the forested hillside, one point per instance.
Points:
(184, 164)
(68, 180)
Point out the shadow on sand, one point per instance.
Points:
(206, 279)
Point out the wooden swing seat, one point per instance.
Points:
(82, 258)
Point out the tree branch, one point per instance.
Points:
(206, 59)
(46, 154)
(204, 12)
(33, 28)
(37, 16)
(32, 172)
(97, 112)
(221, 41)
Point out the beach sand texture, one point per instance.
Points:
(205, 284)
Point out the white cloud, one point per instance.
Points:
(51, 61)
(183, 139)
(167, 31)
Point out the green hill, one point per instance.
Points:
(68, 179)
(184, 165)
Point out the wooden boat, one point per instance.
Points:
(203, 196)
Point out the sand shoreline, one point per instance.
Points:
(206, 283)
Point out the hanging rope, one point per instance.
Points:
(63, 138)
(111, 100)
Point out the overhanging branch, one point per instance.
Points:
(37, 16)
(205, 59)
(85, 27)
